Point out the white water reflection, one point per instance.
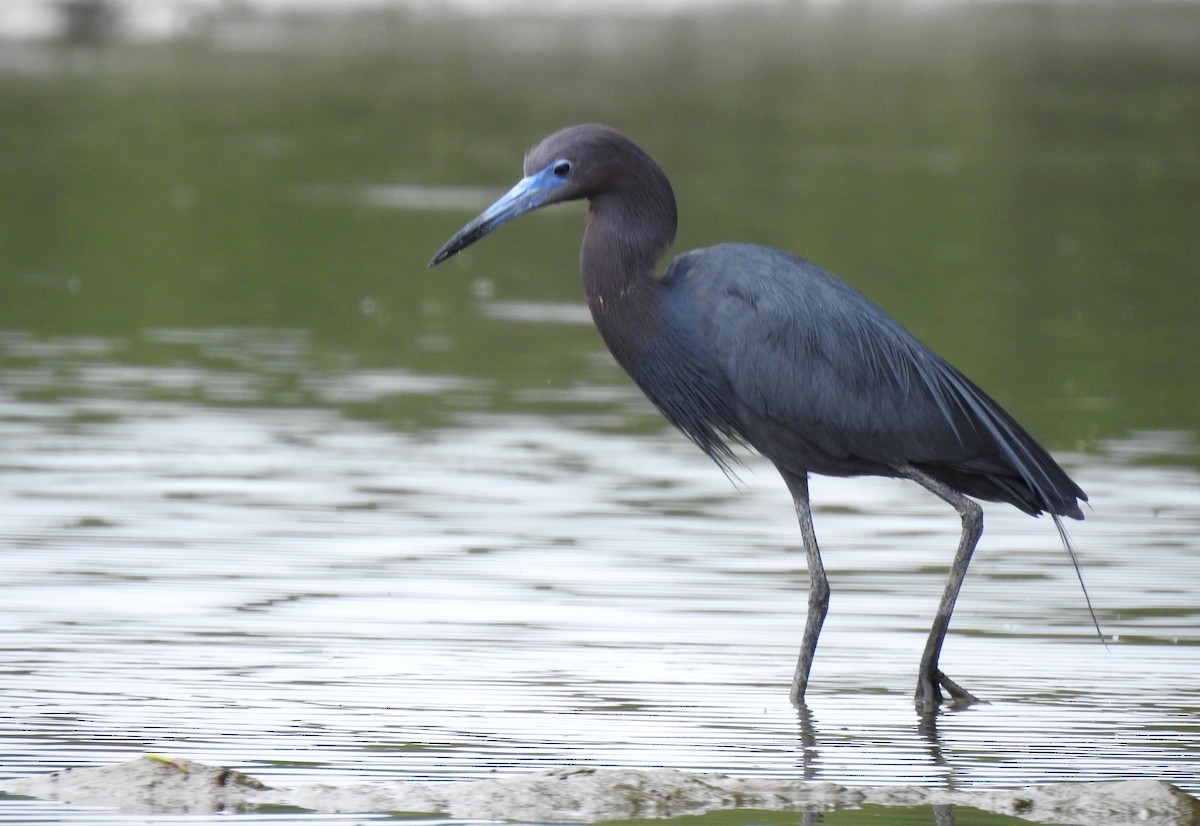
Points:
(246, 24)
(314, 598)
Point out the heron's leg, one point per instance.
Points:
(818, 586)
(930, 677)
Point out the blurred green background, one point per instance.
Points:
(1018, 183)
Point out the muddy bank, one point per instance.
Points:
(164, 785)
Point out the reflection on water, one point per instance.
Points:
(293, 592)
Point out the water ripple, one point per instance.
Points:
(291, 592)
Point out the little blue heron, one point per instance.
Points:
(746, 344)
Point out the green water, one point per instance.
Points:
(241, 222)
(1019, 184)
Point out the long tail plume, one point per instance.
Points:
(1070, 548)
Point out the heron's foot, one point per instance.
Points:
(928, 694)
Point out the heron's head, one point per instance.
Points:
(578, 162)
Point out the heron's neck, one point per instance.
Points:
(618, 262)
(625, 238)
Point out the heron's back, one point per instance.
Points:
(819, 379)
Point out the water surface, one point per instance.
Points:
(300, 594)
(275, 496)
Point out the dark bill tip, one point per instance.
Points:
(464, 238)
(529, 193)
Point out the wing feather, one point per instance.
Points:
(825, 380)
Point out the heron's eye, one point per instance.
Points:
(562, 169)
